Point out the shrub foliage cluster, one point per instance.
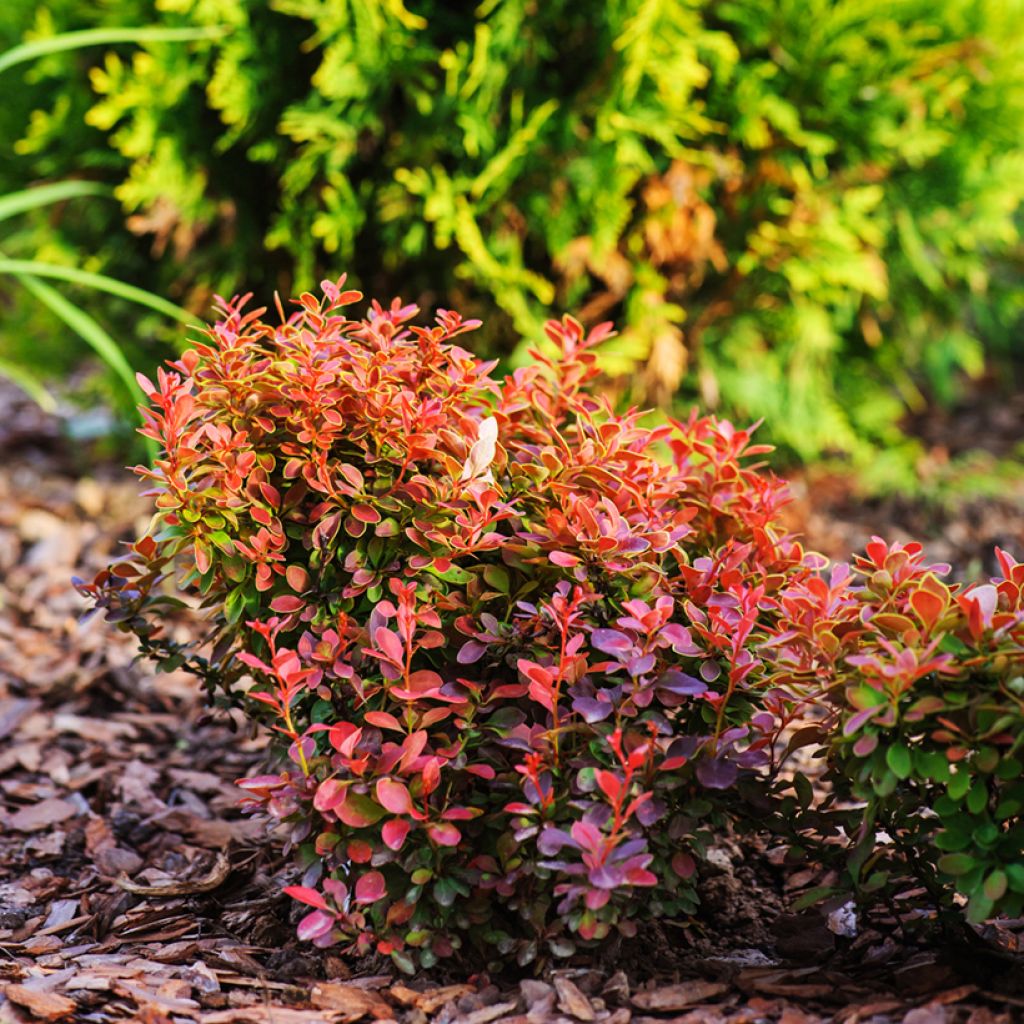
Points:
(523, 653)
(802, 212)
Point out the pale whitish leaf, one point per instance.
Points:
(481, 455)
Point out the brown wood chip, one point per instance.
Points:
(42, 815)
(40, 1003)
(487, 1013)
(432, 999)
(349, 1003)
(572, 1001)
(678, 997)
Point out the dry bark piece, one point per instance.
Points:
(261, 1013)
(487, 1013)
(572, 1001)
(40, 1003)
(678, 997)
(349, 1003)
(44, 814)
(13, 711)
(430, 1000)
(927, 1015)
(145, 997)
(216, 878)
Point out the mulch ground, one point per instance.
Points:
(131, 888)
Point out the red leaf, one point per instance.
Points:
(383, 720)
(304, 894)
(444, 834)
(641, 876)
(424, 681)
(359, 852)
(684, 865)
(928, 606)
(610, 783)
(394, 832)
(389, 643)
(563, 559)
(314, 925)
(329, 794)
(394, 796)
(370, 887)
(366, 513)
(297, 577)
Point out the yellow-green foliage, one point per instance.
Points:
(797, 209)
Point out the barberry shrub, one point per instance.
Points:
(508, 639)
(923, 681)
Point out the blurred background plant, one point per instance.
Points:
(802, 211)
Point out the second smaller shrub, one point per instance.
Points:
(927, 682)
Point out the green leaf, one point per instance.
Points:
(497, 577)
(103, 37)
(898, 758)
(100, 282)
(977, 798)
(979, 909)
(403, 961)
(813, 897)
(445, 891)
(14, 203)
(234, 604)
(995, 885)
(1015, 877)
(958, 785)
(956, 864)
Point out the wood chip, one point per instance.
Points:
(42, 815)
(678, 997)
(349, 1003)
(261, 1013)
(432, 999)
(40, 1003)
(572, 1001)
(487, 1013)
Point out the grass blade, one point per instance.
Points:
(29, 383)
(102, 37)
(99, 282)
(45, 195)
(92, 334)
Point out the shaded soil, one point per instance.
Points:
(131, 888)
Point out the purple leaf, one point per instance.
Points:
(552, 839)
(591, 709)
(611, 641)
(640, 665)
(862, 717)
(680, 639)
(680, 683)
(606, 876)
(717, 773)
(710, 671)
(649, 812)
(471, 651)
